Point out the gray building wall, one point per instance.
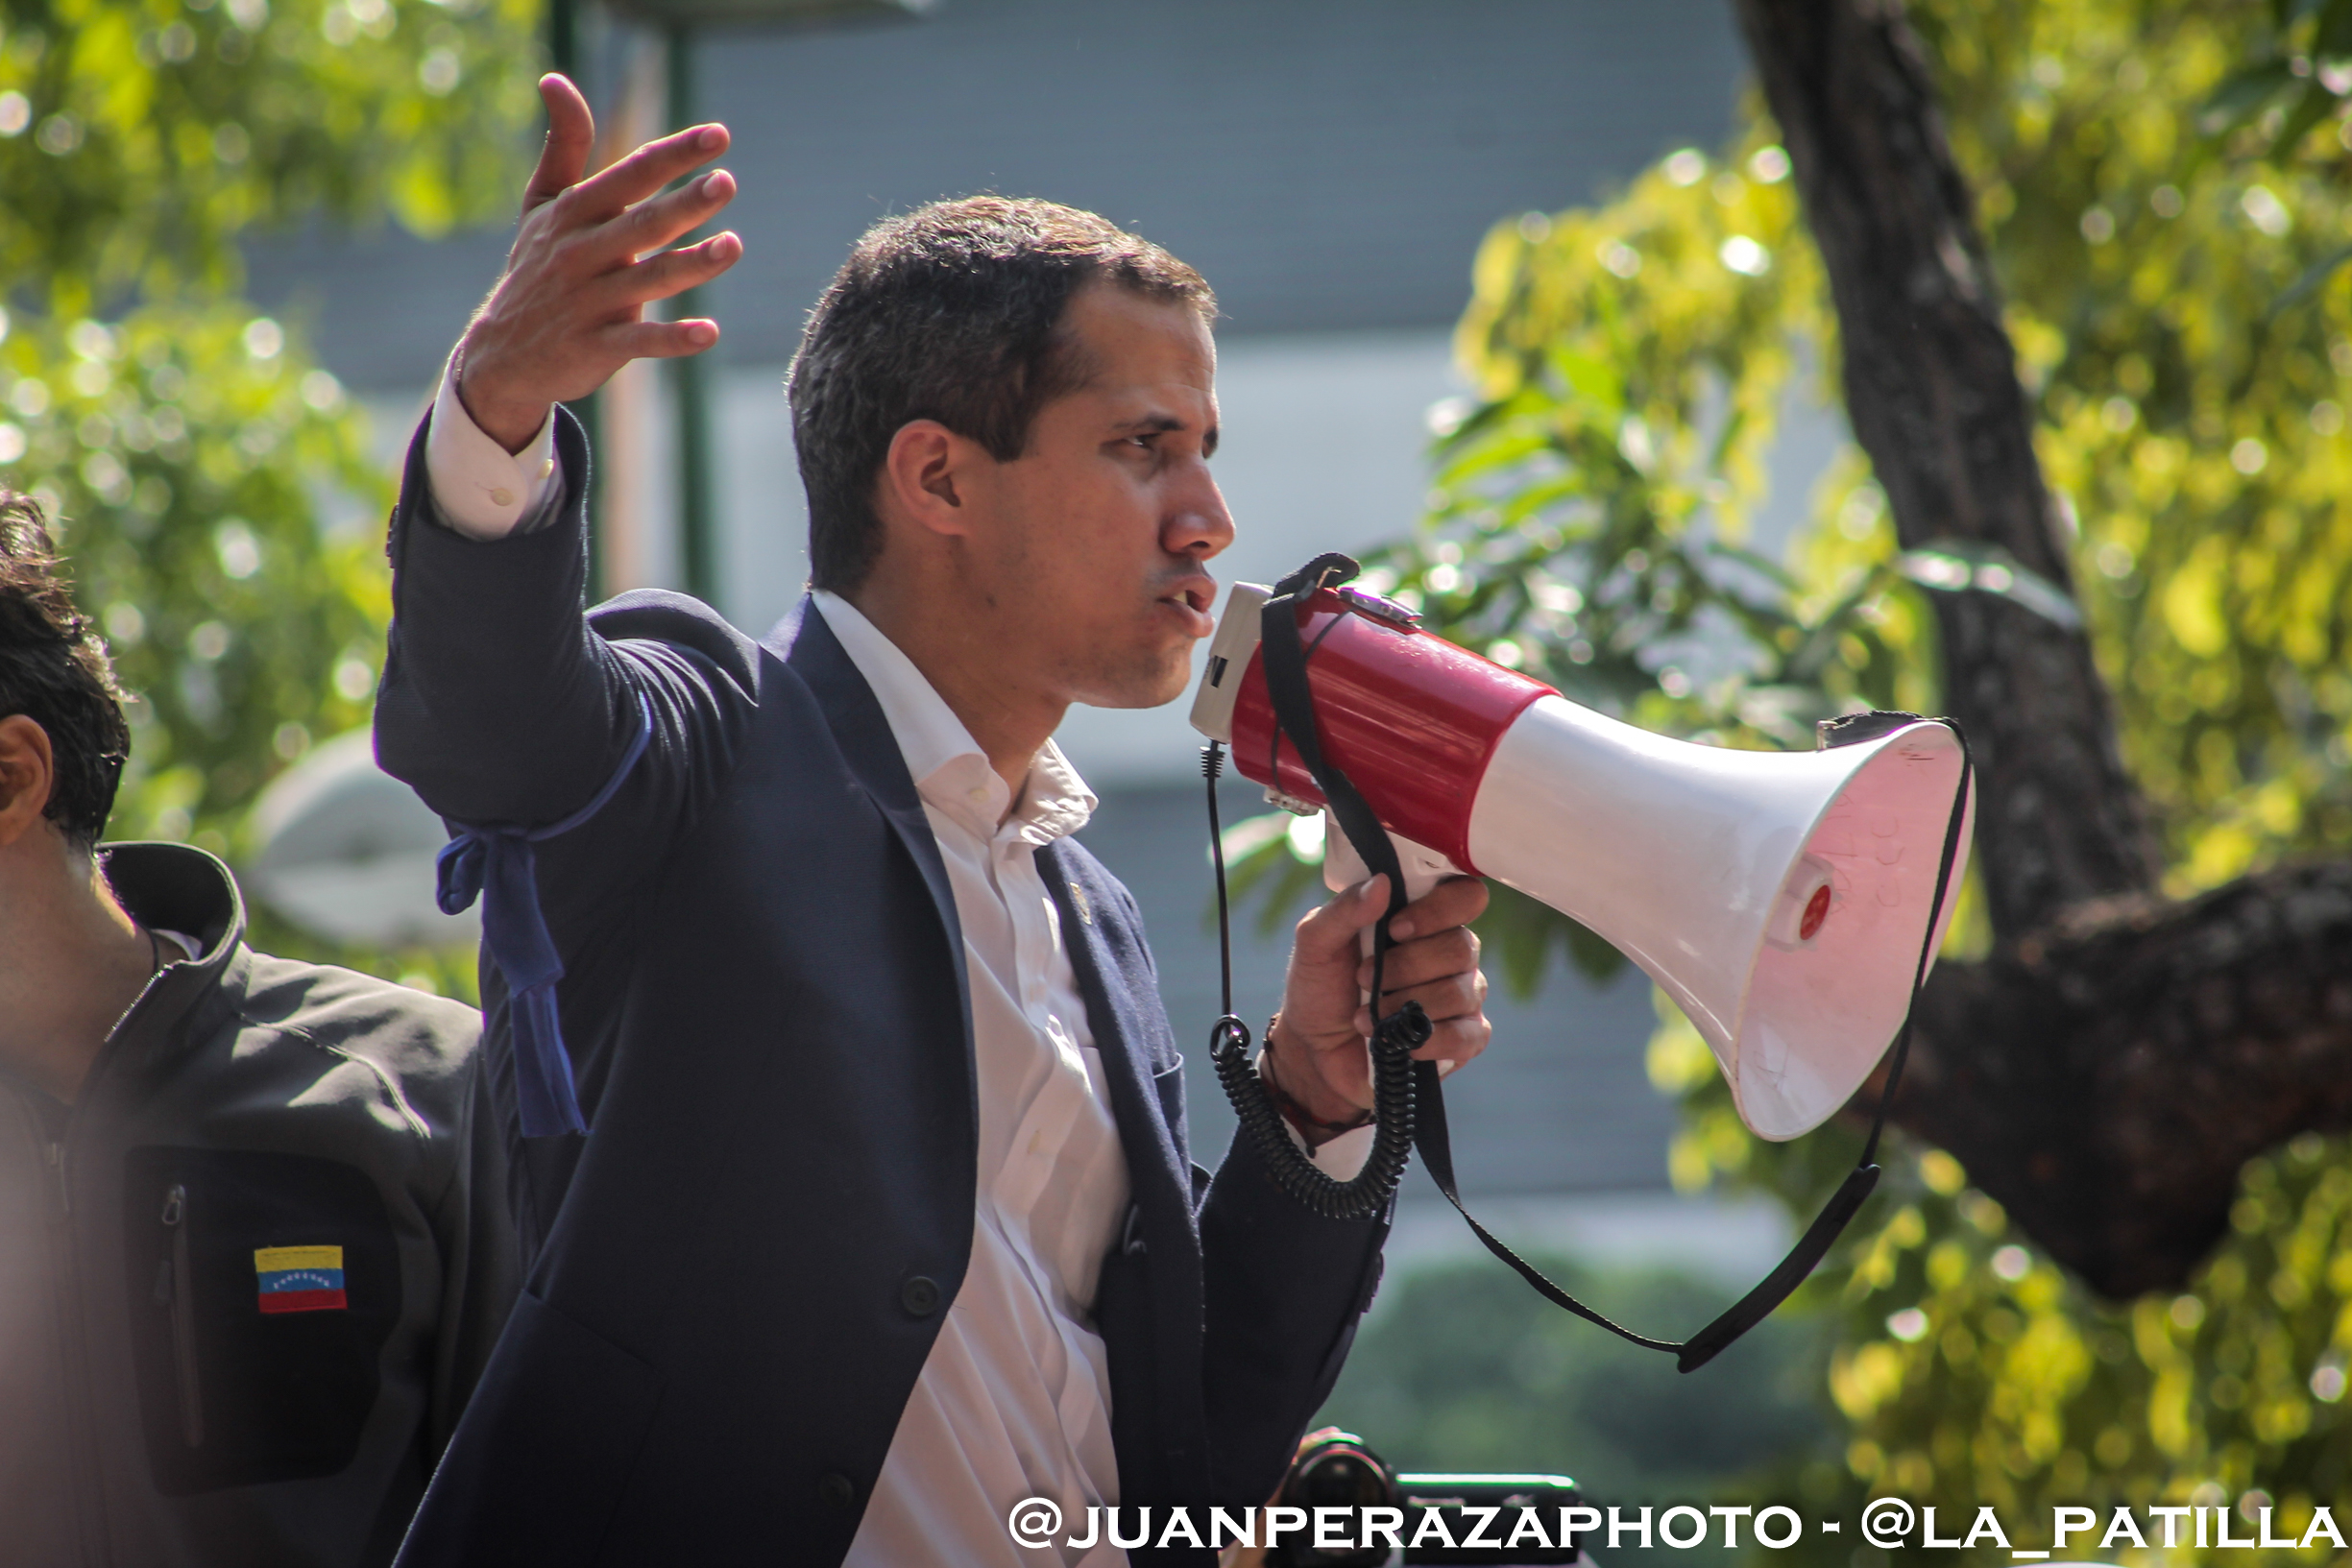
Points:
(1329, 164)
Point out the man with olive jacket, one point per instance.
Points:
(254, 1235)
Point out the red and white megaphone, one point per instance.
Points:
(1779, 897)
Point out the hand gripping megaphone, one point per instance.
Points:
(1790, 903)
(1780, 897)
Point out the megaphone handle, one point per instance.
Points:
(1343, 868)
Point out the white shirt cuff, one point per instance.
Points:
(480, 489)
(1340, 1158)
(1343, 1158)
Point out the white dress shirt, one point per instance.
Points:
(1014, 1400)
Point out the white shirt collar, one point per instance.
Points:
(950, 770)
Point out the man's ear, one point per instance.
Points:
(927, 476)
(28, 774)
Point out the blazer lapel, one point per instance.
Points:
(810, 650)
(1163, 1179)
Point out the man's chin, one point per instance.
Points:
(1157, 685)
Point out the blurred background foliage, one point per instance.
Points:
(210, 485)
(2166, 191)
(1450, 1373)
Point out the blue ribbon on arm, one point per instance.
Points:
(499, 865)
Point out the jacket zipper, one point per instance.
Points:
(57, 1147)
(180, 1281)
(50, 1138)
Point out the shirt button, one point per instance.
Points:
(501, 496)
(547, 466)
(919, 1296)
(835, 1491)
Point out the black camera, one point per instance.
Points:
(1386, 1517)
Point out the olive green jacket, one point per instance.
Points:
(249, 1277)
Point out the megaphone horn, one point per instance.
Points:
(1780, 897)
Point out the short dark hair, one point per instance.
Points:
(53, 671)
(950, 312)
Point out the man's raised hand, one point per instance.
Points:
(569, 310)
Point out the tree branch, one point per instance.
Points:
(1932, 393)
(2106, 1079)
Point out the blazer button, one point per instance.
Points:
(919, 1296)
(835, 1490)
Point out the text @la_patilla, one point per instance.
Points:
(1037, 1524)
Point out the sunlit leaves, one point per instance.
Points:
(1589, 518)
(2184, 324)
(2020, 1392)
(189, 473)
(156, 132)
(2172, 229)
(2190, 363)
(214, 500)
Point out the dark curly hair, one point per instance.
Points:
(53, 671)
(950, 312)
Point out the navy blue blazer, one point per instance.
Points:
(766, 1007)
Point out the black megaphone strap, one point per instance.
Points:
(1370, 1191)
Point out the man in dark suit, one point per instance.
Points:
(886, 1221)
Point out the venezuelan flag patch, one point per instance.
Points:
(301, 1279)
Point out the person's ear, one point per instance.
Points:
(926, 477)
(28, 775)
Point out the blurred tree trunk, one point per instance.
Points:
(2106, 1072)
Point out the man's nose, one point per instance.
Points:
(1201, 525)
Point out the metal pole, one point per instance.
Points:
(564, 54)
(696, 524)
(564, 36)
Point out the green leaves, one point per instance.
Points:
(1957, 565)
(155, 133)
(2163, 194)
(210, 486)
(188, 459)
(1589, 510)
(2299, 78)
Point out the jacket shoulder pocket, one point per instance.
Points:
(263, 1287)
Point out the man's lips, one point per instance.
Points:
(1193, 599)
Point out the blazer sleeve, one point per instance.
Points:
(505, 701)
(1284, 1288)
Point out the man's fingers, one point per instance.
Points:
(659, 340)
(1456, 1039)
(571, 133)
(671, 272)
(1454, 996)
(650, 225)
(1450, 952)
(1456, 900)
(615, 190)
(1330, 933)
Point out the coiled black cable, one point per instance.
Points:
(1395, 1039)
